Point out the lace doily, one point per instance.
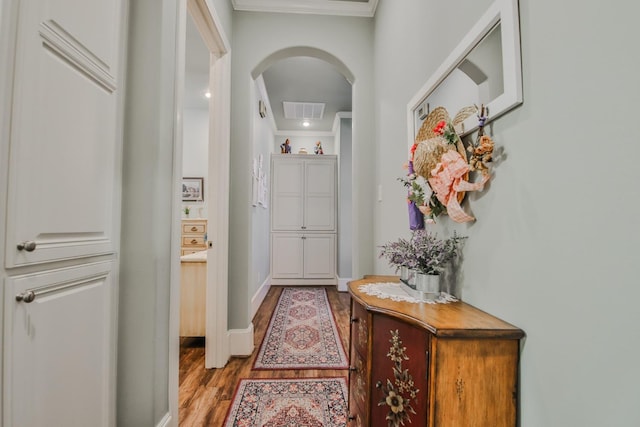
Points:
(395, 292)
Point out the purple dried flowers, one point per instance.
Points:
(424, 252)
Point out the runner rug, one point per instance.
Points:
(313, 402)
(302, 333)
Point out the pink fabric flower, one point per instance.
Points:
(447, 180)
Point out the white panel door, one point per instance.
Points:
(60, 348)
(320, 256)
(287, 195)
(320, 195)
(287, 254)
(65, 130)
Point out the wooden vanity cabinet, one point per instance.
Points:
(451, 364)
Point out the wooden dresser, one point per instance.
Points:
(433, 365)
(193, 236)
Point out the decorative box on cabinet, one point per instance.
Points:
(194, 233)
(303, 219)
(452, 364)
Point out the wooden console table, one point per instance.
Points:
(435, 365)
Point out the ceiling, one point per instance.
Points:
(305, 79)
(296, 79)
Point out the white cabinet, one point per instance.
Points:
(303, 219)
(303, 193)
(303, 256)
(62, 130)
(60, 347)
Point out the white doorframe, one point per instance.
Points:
(217, 337)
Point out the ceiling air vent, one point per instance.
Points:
(303, 110)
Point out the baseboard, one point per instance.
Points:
(342, 284)
(165, 421)
(260, 296)
(241, 341)
(304, 282)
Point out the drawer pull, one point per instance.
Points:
(194, 228)
(379, 384)
(354, 320)
(353, 369)
(26, 297)
(194, 241)
(352, 417)
(28, 246)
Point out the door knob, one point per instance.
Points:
(28, 246)
(26, 297)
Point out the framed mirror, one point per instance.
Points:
(484, 68)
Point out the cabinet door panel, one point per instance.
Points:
(60, 348)
(320, 197)
(476, 382)
(65, 130)
(287, 256)
(359, 328)
(287, 195)
(358, 386)
(390, 379)
(319, 256)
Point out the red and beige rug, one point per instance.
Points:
(312, 402)
(302, 333)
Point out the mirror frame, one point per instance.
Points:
(506, 13)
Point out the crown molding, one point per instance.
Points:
(329, 7)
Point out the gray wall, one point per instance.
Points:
(260, 220)
(345, 208)
(256, 37)
(148, 200)
(144, 340)
(554, 250)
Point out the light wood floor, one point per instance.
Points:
(205, 395)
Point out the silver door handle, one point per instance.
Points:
(26, 297)
(28, 246)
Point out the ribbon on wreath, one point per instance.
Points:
(447, 181)
(416, 218)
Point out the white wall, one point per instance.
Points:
(555, 247)
(256, 36)
(195, 154)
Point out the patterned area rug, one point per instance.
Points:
(317, 402)
(302, 333)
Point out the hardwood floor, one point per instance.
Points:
(205, 394)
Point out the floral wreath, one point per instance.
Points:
(438, 168)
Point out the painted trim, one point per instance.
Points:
(304, 282)
(303, 133)
(241, 341)
(260, 295)
(209, 26)
(165, 421)
(343, 284)
(343, 8)
(176, 216)
(336, 121)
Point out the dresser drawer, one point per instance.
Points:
(359, 327)
(191, 241)
(194, 228)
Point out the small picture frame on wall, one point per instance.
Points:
(423, 110)
(192, 189)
